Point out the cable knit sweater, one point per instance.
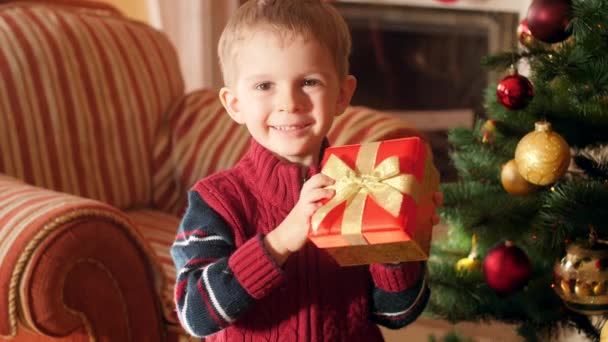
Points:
(229, 288)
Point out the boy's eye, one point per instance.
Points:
(263, 86)
(310, 82)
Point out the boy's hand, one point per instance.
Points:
(292, 233)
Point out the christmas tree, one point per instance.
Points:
(528, 218)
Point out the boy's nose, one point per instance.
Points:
(290, 101)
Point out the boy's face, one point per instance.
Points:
(287, 94)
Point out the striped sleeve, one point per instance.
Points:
(217, 282)
(400, 293)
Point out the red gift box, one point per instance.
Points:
(381, 190)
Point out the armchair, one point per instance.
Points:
(98, 146)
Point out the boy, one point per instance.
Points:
(246, 271)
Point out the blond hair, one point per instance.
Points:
(308, 18)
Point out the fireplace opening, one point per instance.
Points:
(424, 64)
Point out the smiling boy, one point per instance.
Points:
(246, 270)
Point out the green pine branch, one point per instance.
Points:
(571, 91)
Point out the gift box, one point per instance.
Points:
(382, 189)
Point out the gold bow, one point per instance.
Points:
(385, 183)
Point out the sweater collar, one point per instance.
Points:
(277, 181)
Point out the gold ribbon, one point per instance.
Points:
(384, 183)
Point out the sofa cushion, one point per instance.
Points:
(159, 229)
(82, 94)
(198, 140)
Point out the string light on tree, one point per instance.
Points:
(542, 156)
(514, 91)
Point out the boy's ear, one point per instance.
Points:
(231, 103)
(347, 89)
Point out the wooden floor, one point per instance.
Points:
(423, 328)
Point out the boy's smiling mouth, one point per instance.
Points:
(290, 128)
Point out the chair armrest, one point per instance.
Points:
(72, 264)
(199, 138)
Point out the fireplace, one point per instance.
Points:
(424, 64)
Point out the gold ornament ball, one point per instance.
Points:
(513, 182)
(580, 277)
(529, 41)
(542, 156)
(467, 265)
(526, 38)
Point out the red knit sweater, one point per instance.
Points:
(230, 289)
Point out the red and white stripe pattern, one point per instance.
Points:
(158, 229)
(199, 140)
(28, 215)
(81, 98)
(202, 139)
(361, 124)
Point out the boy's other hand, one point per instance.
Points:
(292, 233)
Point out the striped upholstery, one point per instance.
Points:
(201, 139)
(362, 124)
(159, 230)
(27, 216)
(82, 96)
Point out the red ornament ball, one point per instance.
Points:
(515, 91)
(548, 20)
(507, 268)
